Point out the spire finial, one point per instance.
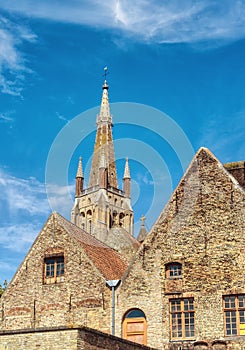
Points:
(126, 170)
(80, 168)
(105, 85)
(105, 72)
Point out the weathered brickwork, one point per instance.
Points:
(63, 339)
(237, 169)
(80, 298)
(202, 228)
(199, 234)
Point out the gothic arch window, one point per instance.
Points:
(134, 326)
(89, 213)
(111, 221)
(114, 218)
(173, 270)
(121, 217)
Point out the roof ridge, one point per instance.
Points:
(62, 220)
(109, 262)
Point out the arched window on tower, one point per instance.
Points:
(89, 221)
(134, 326)
(121, 219)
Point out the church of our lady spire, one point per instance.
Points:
(102, 209)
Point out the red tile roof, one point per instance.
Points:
(107, 260)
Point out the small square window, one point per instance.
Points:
(54, 269)
(173, 270)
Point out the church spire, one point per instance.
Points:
(104, 143)
(103, 209)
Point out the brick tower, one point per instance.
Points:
(102, 209)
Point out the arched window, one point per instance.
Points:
(134, 326)
(173, 270)
(89, 213)
(121, 217)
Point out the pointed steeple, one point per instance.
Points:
(104, 115)
(103, 207)
(80, 168)
(79, 178)
(104, 141)
(126, 170)
(126, 180)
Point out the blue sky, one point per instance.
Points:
(181, 59)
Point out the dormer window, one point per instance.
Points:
(173, 270)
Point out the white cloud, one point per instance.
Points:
(12, 61)
(148, 20)
(24, 209)
(5, 118)
(61, 117)
(18, 237)
(60, 198)
(26, 196)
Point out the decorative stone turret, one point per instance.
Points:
(79, 178)
(126, 180)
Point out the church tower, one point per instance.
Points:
(102, 209)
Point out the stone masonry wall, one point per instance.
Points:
(81, 299)
(202, 227)
(237, 169)
(64, 339)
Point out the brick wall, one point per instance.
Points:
(81, 299)
(202, 227)
(237, 169)
(63, 339)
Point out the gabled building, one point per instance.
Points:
(182, 287)
(62, 281)
(185, 288)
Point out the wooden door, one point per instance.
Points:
(134, 329)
